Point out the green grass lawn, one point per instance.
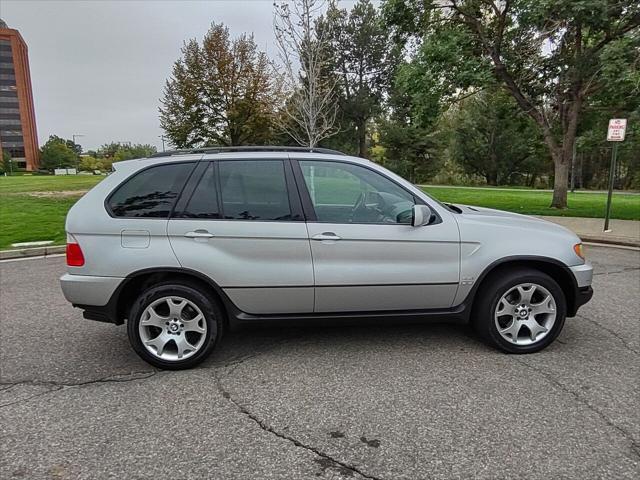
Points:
(34, 207)
(625, 207)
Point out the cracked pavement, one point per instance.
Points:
(375, 402)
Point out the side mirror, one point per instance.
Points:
(422, 215)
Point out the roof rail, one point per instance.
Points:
(259, 148)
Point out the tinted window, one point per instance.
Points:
(254, 190)
(204, 201)
(347, 193)
(150, 193)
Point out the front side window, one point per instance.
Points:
(254, 190)
(348, 193)
(152, 192)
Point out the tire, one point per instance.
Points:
(501, 306)
(174, 326)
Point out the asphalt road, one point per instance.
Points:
(403, 402)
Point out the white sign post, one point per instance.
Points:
(617, 129)
(615, 133)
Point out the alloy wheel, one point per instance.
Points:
(525, 314)
(172, 328)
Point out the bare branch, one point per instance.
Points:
(309, 113)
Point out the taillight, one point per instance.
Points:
(75, 258)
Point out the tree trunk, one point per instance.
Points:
(491, 178)
(362, 139)
(560, 181)
(563, 155)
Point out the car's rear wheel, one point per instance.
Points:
(174, 326)
(520, 311)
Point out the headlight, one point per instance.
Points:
(579, 250)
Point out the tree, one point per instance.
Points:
(362, 58)
(550, 55)
(409, 135)
(57, 153)
(309, 113)
(493, 138)
(117, 151)
(6, 166)
(219, 93)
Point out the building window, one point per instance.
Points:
(16, 152)
(10, 138)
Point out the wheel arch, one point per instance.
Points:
(552, 267)
(139, 281)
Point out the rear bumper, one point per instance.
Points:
(88, 290)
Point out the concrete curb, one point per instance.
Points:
(610, 241)
(32, 252)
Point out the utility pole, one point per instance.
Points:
(573, 167)
(77, 154)
(162, 138)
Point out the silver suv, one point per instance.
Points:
(186, 244)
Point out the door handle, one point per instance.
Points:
(326, 236)
(199, 234)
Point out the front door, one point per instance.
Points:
(366, 254)
(241, 225)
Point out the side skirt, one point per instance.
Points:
(456, 315)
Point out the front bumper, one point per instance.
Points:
(583, 296)
(583, 275)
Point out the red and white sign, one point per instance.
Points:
(617, 129)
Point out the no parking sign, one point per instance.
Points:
(617, 129)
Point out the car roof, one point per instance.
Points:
(236, 155)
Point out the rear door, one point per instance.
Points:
(241, 224)
(366, 254)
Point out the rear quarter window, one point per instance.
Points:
(151, 192)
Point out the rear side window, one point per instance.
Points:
(254, 190)
(204, 201)
(150, 193)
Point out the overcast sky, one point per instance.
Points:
(98, 67)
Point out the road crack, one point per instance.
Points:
(326, 460)
(635, 446)
(611, 332)
(53, 386)
(343, 467)
(623, 270)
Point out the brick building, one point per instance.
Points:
(18, 134)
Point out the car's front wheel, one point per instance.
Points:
(174, 326)
(520, 311)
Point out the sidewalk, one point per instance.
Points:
(623, 232)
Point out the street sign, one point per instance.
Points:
(617, 129)
(615, 133)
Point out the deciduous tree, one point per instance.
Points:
(361, 58)
(220, 93)
(57, 153)
(550, 55)
(309, 112)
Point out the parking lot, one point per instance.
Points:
(378, 402)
